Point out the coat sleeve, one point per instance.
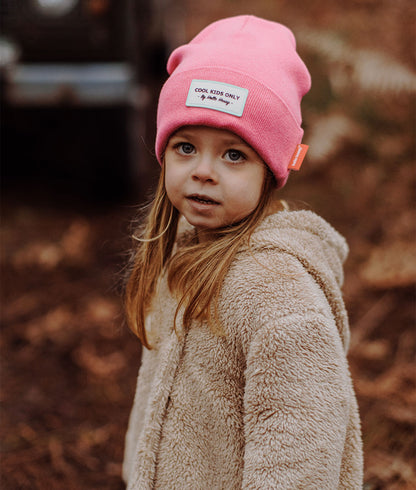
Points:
(296, 403)
(137, 413)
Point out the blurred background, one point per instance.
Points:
(79, 83)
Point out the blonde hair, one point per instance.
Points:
(195, 272)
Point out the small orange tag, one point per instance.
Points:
(297, 158)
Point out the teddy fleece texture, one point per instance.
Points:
(270, 405)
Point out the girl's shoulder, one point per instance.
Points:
(296, 237)
(292, 264)
(291, 228)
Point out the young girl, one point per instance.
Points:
(244, 381)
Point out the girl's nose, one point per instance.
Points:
(204, 170)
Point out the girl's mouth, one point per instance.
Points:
(202, 199)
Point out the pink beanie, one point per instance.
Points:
(242, 74)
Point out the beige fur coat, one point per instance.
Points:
(271, 404)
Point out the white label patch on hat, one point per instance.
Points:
(217, 96)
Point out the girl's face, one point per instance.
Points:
(212, 177)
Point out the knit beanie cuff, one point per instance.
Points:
(266, 124)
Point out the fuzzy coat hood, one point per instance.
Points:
(320, 249)
(268, 405)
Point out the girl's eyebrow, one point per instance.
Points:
(182, 134)
(227, 141)
(234, 141)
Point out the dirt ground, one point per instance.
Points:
(68, 363)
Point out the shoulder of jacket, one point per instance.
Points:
(269, 281)
(267, 286)
(265, 263)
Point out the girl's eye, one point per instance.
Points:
(234, 155)
(185, 148)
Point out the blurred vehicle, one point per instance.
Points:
(74, 94)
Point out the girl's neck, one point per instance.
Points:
(204, 235)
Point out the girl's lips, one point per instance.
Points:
(201, 199)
